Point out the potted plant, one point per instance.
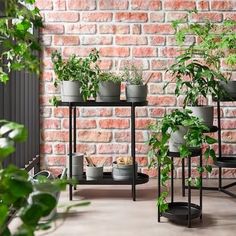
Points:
(78, 76)
(136, 89)
(108, 87)
(160, 141)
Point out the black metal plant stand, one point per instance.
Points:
(182, 211)
(107, 177)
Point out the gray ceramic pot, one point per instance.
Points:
(94, 173)
(77, 165)
(136, 93)
(70, 91)
(205, 113)
(108, 92)
(177, 139)
(230, 89)
(123, 172)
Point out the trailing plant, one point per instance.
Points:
(19, 45)
(195, 137)
(79, 69)
(109, 76)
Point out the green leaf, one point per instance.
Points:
(208, 168)
(3, 215)
(31, 214)
(210, 140)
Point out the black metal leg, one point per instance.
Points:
(172, 179)
(70, 150)
(183, 178)
(189, 192)
(201, 186)
(74, 132)
(133, 150)
(159, 191)
(220, 178)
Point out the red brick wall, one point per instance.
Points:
(123, 30)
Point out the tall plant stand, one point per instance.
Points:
(107, 176)
(182, 211)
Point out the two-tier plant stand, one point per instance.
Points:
(107, 176)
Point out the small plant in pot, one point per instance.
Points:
(135, 90)
(77, 76)
(161, 139)
(108, 87)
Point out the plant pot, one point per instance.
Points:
(177, 139)
(70, 91)
(108, 92)
(94, 173)
(77, 165)
(136, 93)
(206, 113)
(230, 89)
(123, 172)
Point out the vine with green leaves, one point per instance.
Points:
(195, 137)
(19, 44)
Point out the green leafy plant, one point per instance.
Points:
(195, 137)
(79, 69)
(109, 76)
(18, 42)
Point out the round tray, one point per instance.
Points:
(229, 162)
(178, 211)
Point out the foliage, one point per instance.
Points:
(18, 42)
(79, 69)
(109, 76)
(133, 75)
(194, 138)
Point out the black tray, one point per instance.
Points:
(229, 162)
(178, 211)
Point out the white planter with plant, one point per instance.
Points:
(108, 87)
(77, 76)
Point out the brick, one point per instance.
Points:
(114, 123)
(96, 40)
(125, 136)
(112, 148)
(52, 136)
(50, 124)
(144, 52)
(62, 16)
(231, 16)
(56, 161)
(131, 40)
(59, 5)
(157, 112)
(143, 123)
(46, 40)
(159, 64)
(223, 5)
(171, 40)
(80, 29)
(85, 148)
(64, 40)
(142, 160)
(82, 5)
(61, 112)
(53, 29)
(229, 136)
(146, 5)
(96, 17)
(141, 63)
(46, 76)
(105, 64)
(45, 112)
(141, 148)
(158, 29)
(230, 112)
(162, 101)
(44, 5)
(113, 4)
(228, 124)
(96, 112)
(211, 16)
(114, 29)
(131, 17)
(45, 148)
(101, 160)
(155, 76)
(114, 52)
(170, 52)
(136, 29)
(203, 5)
(171, 16)
(79, 51)
(152, 172)
(94, 136)
(59, 148)
(156, 88)
(157, 17)
(157, 40)
(179, 5)
(81, 124)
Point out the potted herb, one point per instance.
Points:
(78, 76)
(108, 87)
(162, 137)
(136, 89)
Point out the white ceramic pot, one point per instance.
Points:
(94, 173)
(77, 165)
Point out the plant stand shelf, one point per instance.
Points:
(182, 211)
(107, 177)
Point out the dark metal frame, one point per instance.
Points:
(142, 178)
(179, 205)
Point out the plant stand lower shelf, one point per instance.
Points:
(108, 180)
(181, 211)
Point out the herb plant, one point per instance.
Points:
(79, 69)
(194, 138)
(109, 76)
(133, 75)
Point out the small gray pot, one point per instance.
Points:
(205, 113)
(177, 139)
(70, 91)
(136, 93)
(108, 92)
(123, 172)
(77, 165)
(94, 173)
(230, 89)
